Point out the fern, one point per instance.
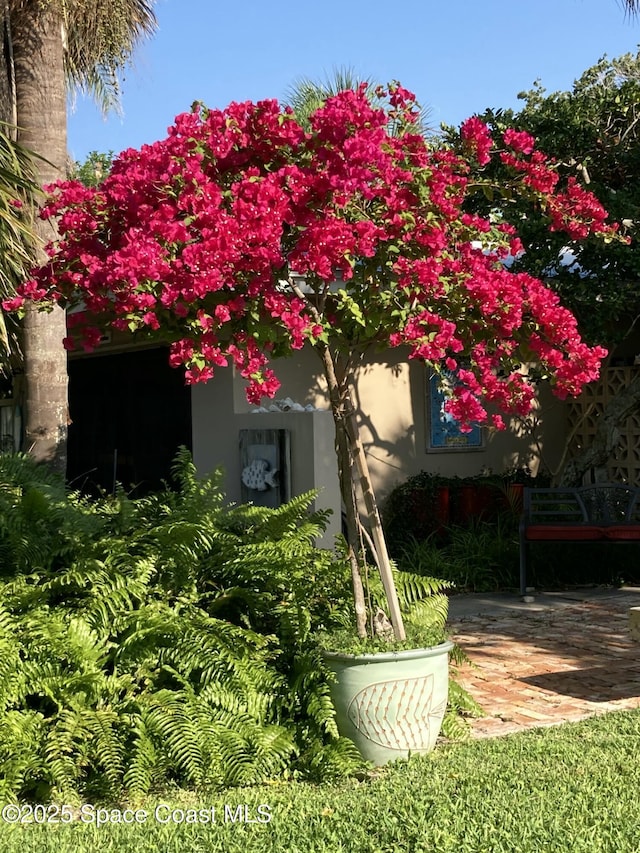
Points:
(334, 760)
(21, 736)
(107, 746)
(461, 705)
(143, 764)
(171, 638)
(170, 718)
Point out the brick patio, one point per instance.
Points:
(557, 660)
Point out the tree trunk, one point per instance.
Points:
(607, 436)
(42, 127)
(345, 475)
(7, 83)
(349, 450)
(377, 533)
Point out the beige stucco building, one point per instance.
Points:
(130, 411)
(394, 408)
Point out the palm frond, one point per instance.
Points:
(631, 7)
(101, 39)
(18, 192)
(306, 95)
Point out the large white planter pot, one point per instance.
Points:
(391, 704)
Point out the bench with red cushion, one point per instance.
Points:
(604, 512)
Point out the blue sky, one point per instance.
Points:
(459, 57)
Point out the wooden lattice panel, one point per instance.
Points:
(624, 465)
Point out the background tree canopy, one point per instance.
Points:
(593, 131)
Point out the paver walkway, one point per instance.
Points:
(564, 657)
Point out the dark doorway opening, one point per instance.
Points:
(129, 414)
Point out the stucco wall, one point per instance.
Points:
(218, 420)
(392, 399)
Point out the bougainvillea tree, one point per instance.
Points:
(242, 237)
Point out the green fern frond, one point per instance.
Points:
(333, 760)
(184, 471)
(287, 518)
(19, 470)
(319, 707)
(168, 718)
(462, 702)
(310, 690)
(432, 612)
(143, 761)
(454, 727)
(107, 748)
(274, 749)
(65, 750)
(242, 764)
(21, 737)
(412, 587)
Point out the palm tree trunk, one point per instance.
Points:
(7, 82)
(38, 56)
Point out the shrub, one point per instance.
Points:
(162, 639)
(428, 504)
(480, 557)
(469, 537)
(170, 639)
(413, 510)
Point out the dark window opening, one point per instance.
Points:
(129, 414)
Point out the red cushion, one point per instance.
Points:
(564, 531)
(623, 531)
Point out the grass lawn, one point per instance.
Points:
(568, 788)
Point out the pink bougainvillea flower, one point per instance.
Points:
(242, 236)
